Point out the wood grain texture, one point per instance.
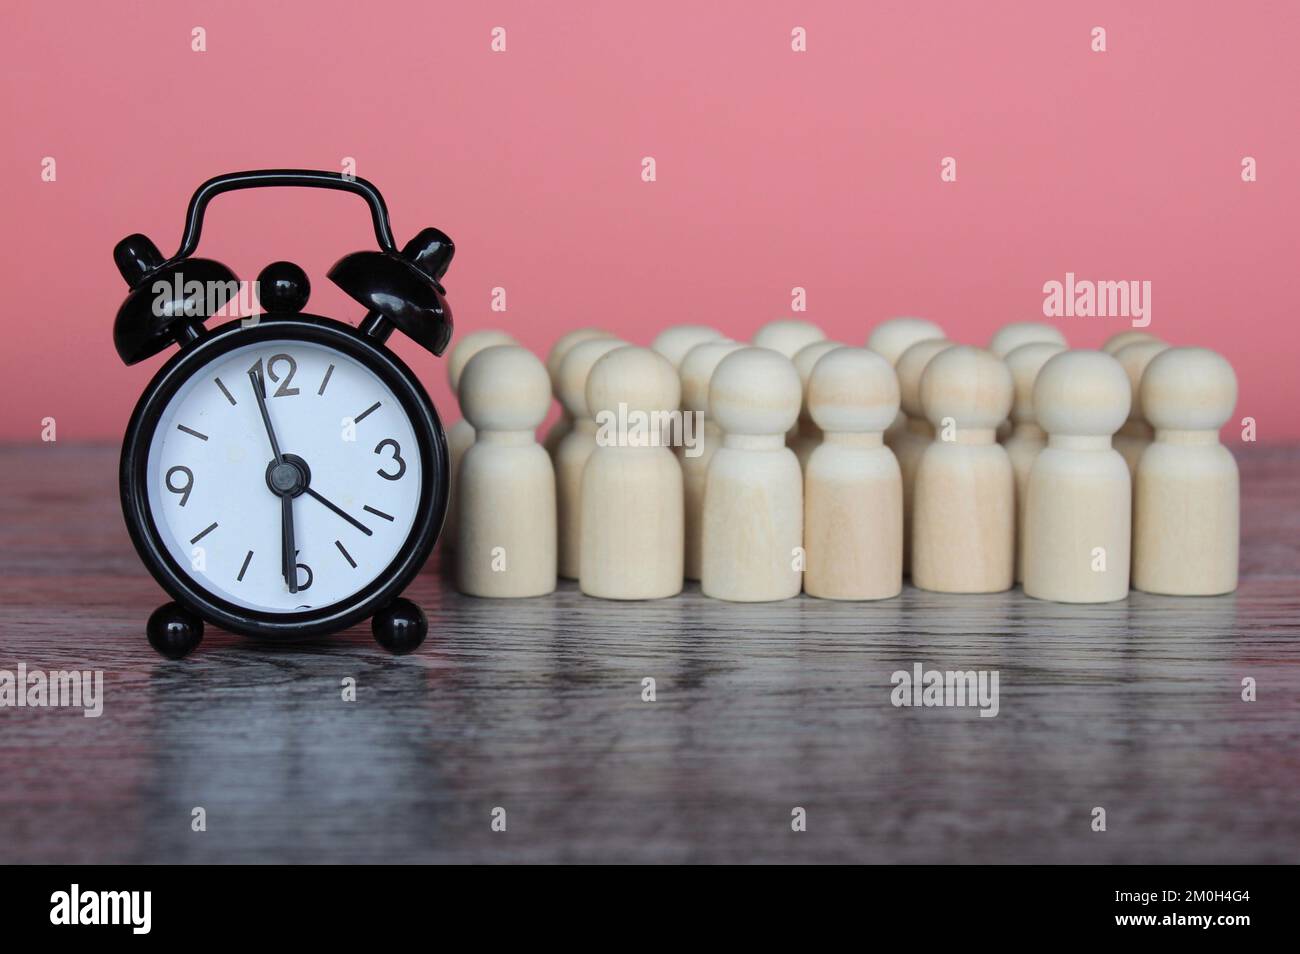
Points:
(534, 705)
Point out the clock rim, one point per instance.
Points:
(411, 555)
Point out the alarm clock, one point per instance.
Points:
(284, 475)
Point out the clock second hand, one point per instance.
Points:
(286, 502)
(259, 392)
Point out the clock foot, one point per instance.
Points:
(174, 631)
(400, 627)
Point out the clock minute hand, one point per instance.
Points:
(289, 551)
(286, 537)
(259, 391)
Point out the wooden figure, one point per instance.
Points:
(963, 510)
(632, 511)
(890, 339)
(1011, 336)
(807, 435)
(696, 371)
(1123, 338)
(564, 423)
(853, 491)
(753, 494)
(1136, 434)
(1077, 510)
(576, 446)
(674, 343)
(1187, 506)
(787, 336)
(461, 434)
(507, 543)
(917, 433)
(1027, 438)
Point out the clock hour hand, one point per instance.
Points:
(341, 512)
(259, 391)
(286, 536)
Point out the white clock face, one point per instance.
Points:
(211, 467)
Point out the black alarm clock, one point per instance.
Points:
(283, 476)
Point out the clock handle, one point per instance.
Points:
(262, 178)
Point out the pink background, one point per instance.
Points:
(775, 168)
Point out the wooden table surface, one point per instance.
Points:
(535, 706)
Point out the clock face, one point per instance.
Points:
(349, 467)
